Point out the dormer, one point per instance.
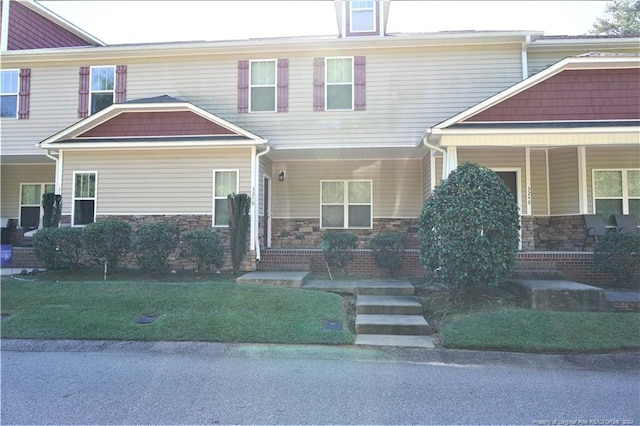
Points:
(358, 18)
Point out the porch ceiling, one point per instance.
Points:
(337, 153)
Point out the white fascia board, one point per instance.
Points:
(572, 63)
(533, 131)
(88, 146)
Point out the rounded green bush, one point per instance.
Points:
(204, 248)
(107, 241)
(58, 247)
(469, 229)
(153, 243)
(388, 249)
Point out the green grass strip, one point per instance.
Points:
(201, 311)
(526, 330)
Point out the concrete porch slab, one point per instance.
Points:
(559, 295)
(395, 340)
(363, 286)
(292, 279)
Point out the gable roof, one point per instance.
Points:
(161, 121)
(542, 106)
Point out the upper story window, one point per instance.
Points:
(102, 92)
(616, 192)
(339, 84)
(9, 94)
(263, 86)
(363, 16)
(99, 87)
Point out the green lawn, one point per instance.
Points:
(185, 311)
(525, 330)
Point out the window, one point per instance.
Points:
(84, 198)
(362, 16)
(9, 94)
(263, 86)
(346, 204)
(225, 182)
(616, 192)
(102, 88)
(31, 203)
(339, 85)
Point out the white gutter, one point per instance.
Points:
(58, 179)
(256, 205)
(425, 141)
(525, 61)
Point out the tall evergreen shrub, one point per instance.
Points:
(239, 208)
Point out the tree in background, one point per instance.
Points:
(623, 19)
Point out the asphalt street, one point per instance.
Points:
(69, 382)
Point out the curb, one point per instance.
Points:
(619, 361)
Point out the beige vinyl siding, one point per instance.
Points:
(609, 158)
(53, 106)
(563, 181)
(266, 165)
(397, 186)
(538, 162)
(426, 176)
(13, 175)
(155, 181)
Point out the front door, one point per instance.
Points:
(510, 179)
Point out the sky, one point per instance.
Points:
(122, 22)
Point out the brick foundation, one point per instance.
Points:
(306, 233)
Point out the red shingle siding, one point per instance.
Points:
(30, 30)
(607, 94)
(176, 123)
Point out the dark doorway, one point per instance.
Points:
(511, 180)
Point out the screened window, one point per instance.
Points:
(31, 203)
(84, 198)
(102, 88)
(225, 182)
(263, 86)
(346, 204)
(616, 192)
(9, 80)
(339, 83)
(362, 16)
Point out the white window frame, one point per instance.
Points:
(346, 204)
(625, 189)
(221, 197)
(43, 187)
(16, 93)
(91, 91)
(342, 83)
(354, 8)
(274, 85)
(74, 198)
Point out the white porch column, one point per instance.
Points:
(582, 180)
(527, 171)
(450, 161)
(254, 203)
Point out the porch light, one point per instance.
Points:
(281, 176)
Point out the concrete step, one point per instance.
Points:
(386, 287)
(388, 305)
(276, 279)
(395, 340)
(559, 295)
(391, 324)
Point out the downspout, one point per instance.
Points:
(425, 141)
(256, 205)
(58, 179)
(524, 57)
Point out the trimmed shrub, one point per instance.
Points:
(338, 247)
(388, 250)
(618, 254)
(239, 205)
(204, 248)
(469, 229)
(59, 247)
(51, 209)
(107, 241)
(153, 243)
